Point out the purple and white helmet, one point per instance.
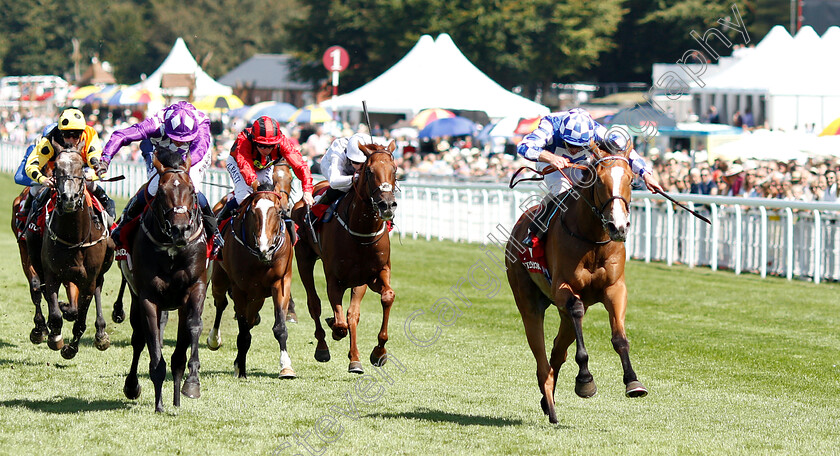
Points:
(577, 128)
(180, 122)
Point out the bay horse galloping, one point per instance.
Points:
(167, 270)
(74, 252)
(39, 332)
(257, 264)
(356, 250)
(584, 257)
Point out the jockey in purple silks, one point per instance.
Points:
(179, 127)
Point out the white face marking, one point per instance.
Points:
(176, 183)
(618, 214)
(264, 206)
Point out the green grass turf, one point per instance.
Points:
(734, 365)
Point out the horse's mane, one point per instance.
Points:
(264, 187)
(169, 158)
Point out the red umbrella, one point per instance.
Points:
(427, 116)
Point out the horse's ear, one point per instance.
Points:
(157, 164)
(392, 146)
(187, 162)
(366, 149)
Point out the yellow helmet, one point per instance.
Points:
(71, 119)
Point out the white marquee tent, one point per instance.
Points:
(181, 61)
(435, 74)
(789, 81)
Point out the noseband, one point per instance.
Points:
(78, 197)
(279, 237)
(165, 225)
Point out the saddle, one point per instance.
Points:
(323, 212)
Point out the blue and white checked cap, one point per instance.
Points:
(577, 128)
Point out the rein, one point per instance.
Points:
(383, 187)
(195, 220)
(279, 238)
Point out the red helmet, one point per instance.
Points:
(266, 131)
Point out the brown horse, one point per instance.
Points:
(356, 251)
(39, 332)
(167, 271)
(257, 264)
(584, 254)
(75, 252)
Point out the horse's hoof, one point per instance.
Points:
(258, 320)
(378, 357)
(238, 373)
(355, 368)
(329, 321)
(544, 405)
(191, 389)
(287, 373)
(69, 351)
(587, 389)
(55, 342)
(118, 317)
(339, 333)
(131, 389)
(103, 343)
(322, 356)
(291, 318)
(67, 313)
(635, 389)
(36, 336)
(214, 340)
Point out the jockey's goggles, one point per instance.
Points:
(71, 133)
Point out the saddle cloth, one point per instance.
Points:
(534, 258)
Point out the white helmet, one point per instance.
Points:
(354, 153)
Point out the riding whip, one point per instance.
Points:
(683, 206)
(367, 119)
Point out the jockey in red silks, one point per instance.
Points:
(179, 128)
(341, 165)
(252, 158)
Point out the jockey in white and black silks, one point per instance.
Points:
(340, 165)
(564, 139)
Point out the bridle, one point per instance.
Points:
(78, 197)
(164, 224)
(279, 237)
(372, 190)
(599, 212)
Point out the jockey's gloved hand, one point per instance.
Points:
(101, 169)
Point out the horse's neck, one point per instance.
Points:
(583, 221)
(362, 216)
(73, 226)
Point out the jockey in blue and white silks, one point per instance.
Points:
(566, 138)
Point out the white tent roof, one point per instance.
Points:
(181, 61)
(435, 74)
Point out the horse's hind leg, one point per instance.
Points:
(565, 337)
(306, 265)
(131, 389)
(220, 284)
(584, 383)
(530, 303)
(101, 340)
(382, 286)
(281, 294)
(615, 301)
(353, 313)
(36, 336)
(54, 321)
(79, 327)
(338, 324)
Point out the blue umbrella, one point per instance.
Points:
(238, 112)
(280, 112)
(452, 126)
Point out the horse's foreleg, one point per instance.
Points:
(71, 311)
(615, 301)
(584, 383)
(36, 336)
(157, 366)
(79, 326)
(54, 321)
(192, 386)
(118, 314)
(281, 294)
(243, 344)
(338, 323)
(220, 285)
(533, 319)
(131, 389)
(101, 340)
(353, 313)
(382, 285)
(306, 265)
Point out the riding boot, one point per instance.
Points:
(107, 202)
(36, 203)
(539, 225)
(132, 210)
(227, 210)
(211, 228)
(328, 198)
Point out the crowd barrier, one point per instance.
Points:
(791, 239)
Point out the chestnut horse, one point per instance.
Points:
(73, 252)
(356, 250)
(257, 264)
(584, 254)
(167, 270)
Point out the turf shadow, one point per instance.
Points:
(4, 344)
(66, 405)
(440, 416)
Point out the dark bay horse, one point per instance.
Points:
(39, 332)
(584, 254)
(257, 264)
(74, 252)
(356, 250)
(167, 270)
